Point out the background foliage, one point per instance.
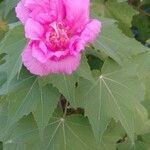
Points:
(104, 105)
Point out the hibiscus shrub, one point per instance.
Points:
(74, 74)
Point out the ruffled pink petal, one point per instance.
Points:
(76, 45)
(77, 13)
(91, 31)
(58, 54)
(45, 17)
(66, 65)
(38, 54)
(33, 29)
(57, 6)
(39, 2)
(22, 12)
(43, 47)
(39, 10)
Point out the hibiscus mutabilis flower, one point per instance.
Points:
(58, 31)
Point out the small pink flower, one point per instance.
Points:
(58, 31)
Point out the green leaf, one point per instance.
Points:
(115, 44)
(3, 78)
(17, 82)
(3, 117)
(124, 17)
(141, 22)
(1, 145)
(112, 135)
(2, 9)
(141, 143)
(24, 95)
(146, 138)
(146, 102)
(64, 83)
(111, 97)
(143, 62)
(10, 5)
(70, 133)
(23, 101)
(110, 9)
(30, 97)
(137, 146)
(24, 136)
(84, 69)
(12, 45)
(3, 28)
(45, 107)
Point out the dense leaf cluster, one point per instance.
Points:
(104, 105)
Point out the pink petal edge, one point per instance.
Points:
(66, 66)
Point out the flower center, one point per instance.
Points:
(58, 36)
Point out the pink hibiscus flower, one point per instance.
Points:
(58, 31)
